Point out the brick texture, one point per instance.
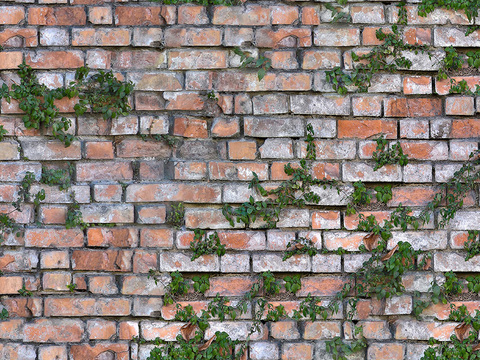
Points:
(90, 287)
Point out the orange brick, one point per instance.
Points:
(190, 127)
(99, 150)
(242, 150)
(57, 16)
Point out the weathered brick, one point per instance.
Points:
(337, 37)
(54, 330)
(56, 16)
(252, 15)
(320, 105)
(102, 260)
(412, 107)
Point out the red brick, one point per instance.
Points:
(53, 330)
(86, 351)
(310, 15)
(53, 238)
(102, 260)
(18, 38)
(412, 107)
(178, 37)
(101, 237)
(100, 37)
(97, 171)
(284, 15)
(174, 192)
(43, 59)
(99, 150)
(144, 15)
(161, 238)
(75, 307)
(190, 127)
(191, 14)
(57, 16)
(242, 150)
(252, 15)
(283, 37)
(366, 128)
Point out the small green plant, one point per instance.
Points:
(473, 59)
(3, 132)
(204, 244)
(201, 283)
(74, 217)
(470, 7)
(338, 15)
(24, 292)
(58, 177)
(473, 284)
(361, 196)
(176, 215)
(211, 95)
(388, 155)
(310, 309)
(340, 350)
(72, 287)
(177, 287)
(472, 245)
(300, 246)
(388, 56)
(463, 342)
(384, 193)
(271, 286)
(24, 192)
(292, 283)
(4, 314)
(402, 13)
(451, 62)
(452, 285)
(297, 191)
(262, 63)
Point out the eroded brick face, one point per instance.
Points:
(201, 126)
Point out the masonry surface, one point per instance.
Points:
(175, 56)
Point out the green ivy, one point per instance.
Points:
(263, 64)
(388, 154)
(204, 244)
(100, 92)
(58, 177)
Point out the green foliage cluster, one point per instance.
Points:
(58, 177)
(389, 57)
(388, 154)
(297, 191)
(463, 343)
(300, 246)
(263, 64)
(100, 93)
(176, 215)
(361, 196)
(470, 7)
(204, 244)
(341, 350)
(74, 216)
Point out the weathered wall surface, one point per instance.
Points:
(175, 56)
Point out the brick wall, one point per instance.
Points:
(175, 55)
